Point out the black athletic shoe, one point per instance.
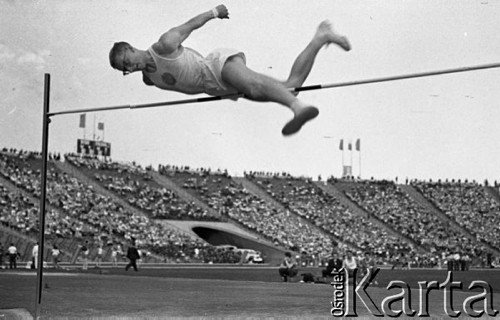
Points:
(304, 115)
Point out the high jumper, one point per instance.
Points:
(168, 65)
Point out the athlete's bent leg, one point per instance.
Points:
(259, 87)
(304, 62)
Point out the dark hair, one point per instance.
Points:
(288, 254)
(117, 49)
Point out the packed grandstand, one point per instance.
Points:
(105, 203)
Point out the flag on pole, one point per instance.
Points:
(358, 145)
(349, 146)
(82, 120)
(100, 126)
(341, 146)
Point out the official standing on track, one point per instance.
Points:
(132, 255)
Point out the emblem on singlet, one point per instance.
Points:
(168, 79)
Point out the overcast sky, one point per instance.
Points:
(438, 127)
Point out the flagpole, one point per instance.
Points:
(350, 144)
(84, 124)
(343, 161)
(358, 148)
(359, 163)
(93, 129)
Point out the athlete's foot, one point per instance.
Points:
(301, 117)
(327, 35)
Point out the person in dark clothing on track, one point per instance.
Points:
(334, 263)
(132, 255)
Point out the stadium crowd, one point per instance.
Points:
(94, 215)
(223, 194)
(386, 201)
(306, 225)
(309, 201)
(469, 204)
(135, 184)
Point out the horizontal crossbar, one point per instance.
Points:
(298, 89)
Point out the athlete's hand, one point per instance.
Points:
(222, 10)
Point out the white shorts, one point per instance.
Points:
(214, 85)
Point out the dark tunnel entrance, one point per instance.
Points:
(217, 237)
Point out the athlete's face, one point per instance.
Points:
(129, 62)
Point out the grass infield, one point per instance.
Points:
(208, 292)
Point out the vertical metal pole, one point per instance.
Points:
(360, 163)
(350, 149)
(343, 163)
(358, 148)
(43, 186)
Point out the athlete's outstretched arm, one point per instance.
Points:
(171, 40)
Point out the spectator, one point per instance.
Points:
(12, 252)
(85, 252)
(34, 256)
(288, 267)
(2, 253)
(55, 256)
(368, 264)
(98, 259)
(139, 260)
(350, 263)
(119, 251)
(114, 256)
(402, 261)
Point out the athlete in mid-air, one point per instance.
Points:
(168, 65)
